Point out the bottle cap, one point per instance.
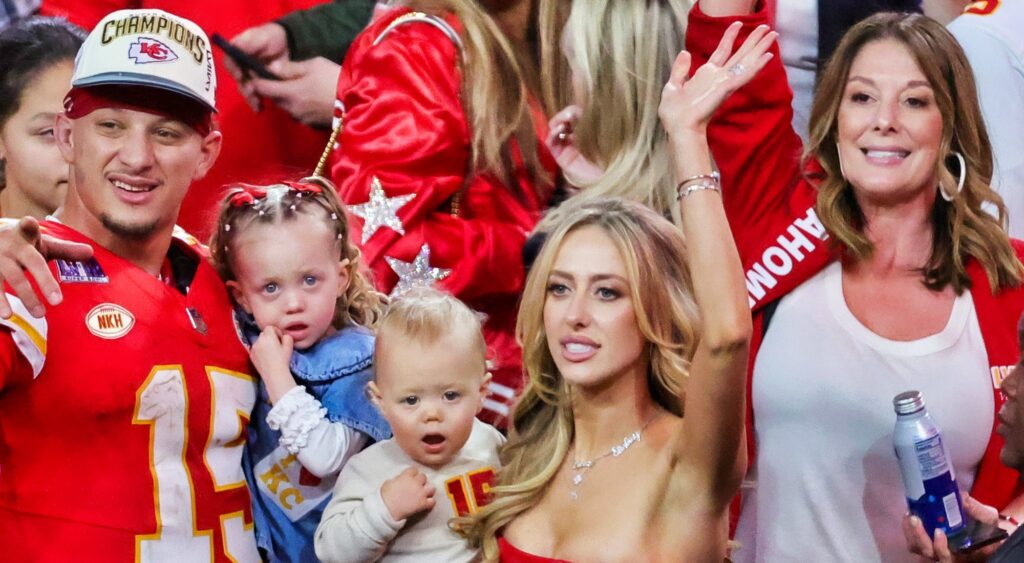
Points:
(908, 402)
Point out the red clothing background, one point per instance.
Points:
(405, 126)
(258, 147)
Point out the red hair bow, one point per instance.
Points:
(247, 194)
(304, 188)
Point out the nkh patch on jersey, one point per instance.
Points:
(109, 321)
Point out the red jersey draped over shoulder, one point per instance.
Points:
(401, 166)
(122, 418)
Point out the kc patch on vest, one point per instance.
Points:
(109, 321)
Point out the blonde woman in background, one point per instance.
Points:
(609, 141)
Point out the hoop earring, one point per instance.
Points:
(839, 157)
(960, 181)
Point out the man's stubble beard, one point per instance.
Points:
(128, 231)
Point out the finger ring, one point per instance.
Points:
(737, 69)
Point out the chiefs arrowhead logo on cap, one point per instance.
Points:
(109, 321)
(149, 50)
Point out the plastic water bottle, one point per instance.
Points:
(932, 494)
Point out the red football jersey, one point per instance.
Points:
(122, 419)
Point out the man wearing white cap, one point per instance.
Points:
(123, 410)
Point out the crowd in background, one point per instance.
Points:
(511, 280)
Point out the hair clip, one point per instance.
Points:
(275, 194)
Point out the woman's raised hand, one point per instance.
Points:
(689, 103)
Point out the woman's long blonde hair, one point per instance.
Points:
(623, 57)
(497, 82)
(962, 228)
(653, 252)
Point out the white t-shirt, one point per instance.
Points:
(357, 527)
(992, 35)
(826, 483)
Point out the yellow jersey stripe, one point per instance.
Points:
(30, 331)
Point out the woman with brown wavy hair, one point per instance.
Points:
(925, 293)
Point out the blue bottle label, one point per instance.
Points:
(939, 506)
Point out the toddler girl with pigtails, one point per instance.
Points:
(306, 311)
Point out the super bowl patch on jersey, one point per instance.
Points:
(88, 271)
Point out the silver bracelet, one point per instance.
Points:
(695, 184)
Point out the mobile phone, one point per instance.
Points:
(976, 536)
(244, 60)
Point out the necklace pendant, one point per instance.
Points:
(626, 443)
(581, 467)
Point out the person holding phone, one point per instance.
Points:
(304, 49)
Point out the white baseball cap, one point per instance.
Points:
(148, 48)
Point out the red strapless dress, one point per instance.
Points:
(509, 553)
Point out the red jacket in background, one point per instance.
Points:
(258, 147)
(406, 139)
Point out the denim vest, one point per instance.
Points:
(288, 500)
